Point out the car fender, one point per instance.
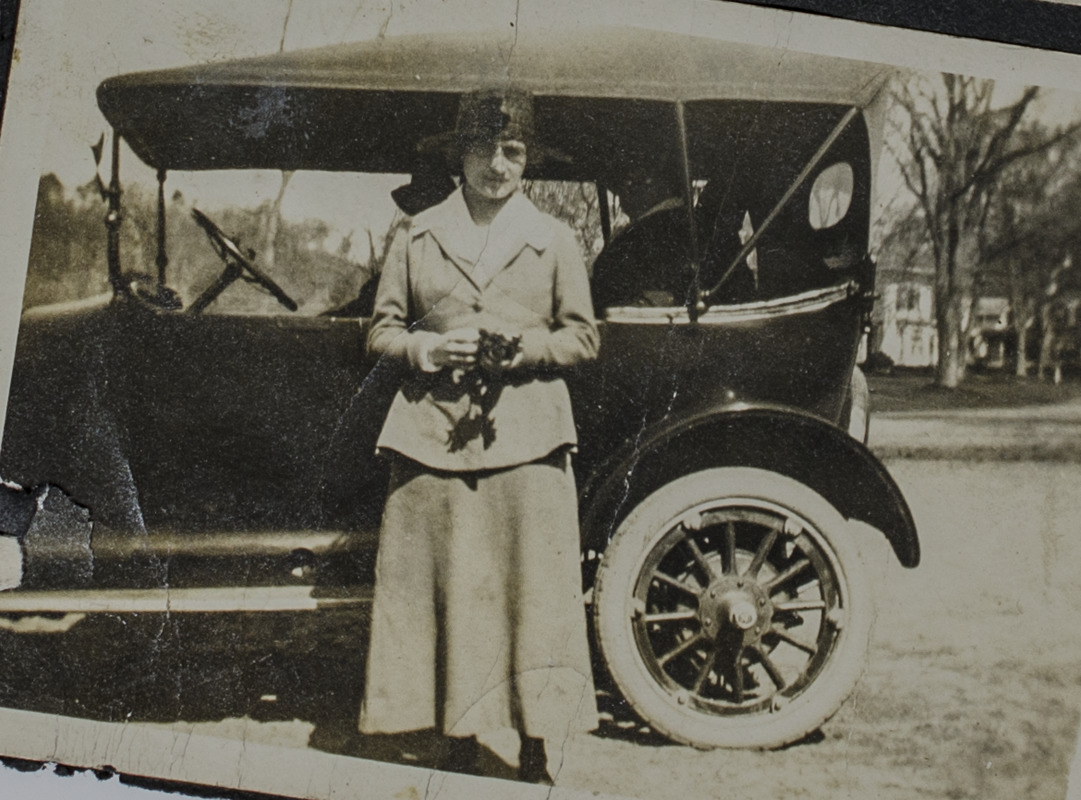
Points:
(780, 439)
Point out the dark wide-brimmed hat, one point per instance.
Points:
(491, 115)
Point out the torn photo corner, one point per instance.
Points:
(824, 443)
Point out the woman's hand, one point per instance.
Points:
(456, 349)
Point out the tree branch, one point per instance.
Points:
(991, 162)
(993, 169)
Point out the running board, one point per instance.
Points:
(121, 546)
(179, 601)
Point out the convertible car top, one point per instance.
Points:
(245, 113)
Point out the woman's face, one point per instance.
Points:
(494, 169)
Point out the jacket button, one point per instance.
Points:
(478, 306)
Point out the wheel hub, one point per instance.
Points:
(742, 615)
(734, 607)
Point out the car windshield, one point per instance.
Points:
(321, 236)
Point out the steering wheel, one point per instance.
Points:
(236, 264)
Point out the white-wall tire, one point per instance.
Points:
(804, 644)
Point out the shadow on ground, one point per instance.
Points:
(195, 668)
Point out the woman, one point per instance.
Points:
(477, 623)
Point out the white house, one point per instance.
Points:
(908, 333)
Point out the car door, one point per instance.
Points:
(249, 423)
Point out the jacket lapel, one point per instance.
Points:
(518, 225)
(449, 224)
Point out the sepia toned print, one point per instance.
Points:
(777, 242)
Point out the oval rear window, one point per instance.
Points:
(831, 195)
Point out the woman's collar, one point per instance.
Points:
(519, 219)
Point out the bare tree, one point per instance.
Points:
(576, 204)
(378, 251)
(270, 220)
(955, 146)
(1032, 229)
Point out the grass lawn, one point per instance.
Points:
(915, 390)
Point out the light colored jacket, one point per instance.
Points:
(529, 280)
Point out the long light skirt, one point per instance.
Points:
(478, 622)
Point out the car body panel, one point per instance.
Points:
(778, 439)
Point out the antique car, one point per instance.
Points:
(722, 460)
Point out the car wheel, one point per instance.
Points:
(732, 611)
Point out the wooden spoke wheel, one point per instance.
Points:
(732, 610)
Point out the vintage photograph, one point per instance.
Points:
(623, 400)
